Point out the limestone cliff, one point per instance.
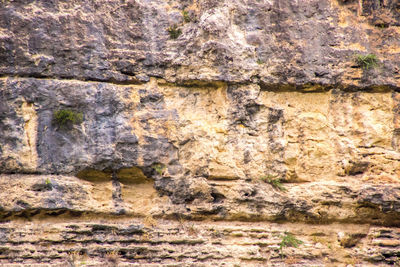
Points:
(200, 133)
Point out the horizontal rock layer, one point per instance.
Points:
(72, 242)
(200, 152)
(318, 202)
(268, 42)
(215, 131)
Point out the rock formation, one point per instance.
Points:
(200, 133)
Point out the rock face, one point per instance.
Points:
(200, 133)
(298, 43)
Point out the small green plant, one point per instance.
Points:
(275, 182)
(48, 183)
(186, 16)
(65, 118)
(174, 31)
(369, 61)
(159, 168)
(382, 25)
(289, 240)
(260, 62)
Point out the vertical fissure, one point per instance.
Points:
(117, 194)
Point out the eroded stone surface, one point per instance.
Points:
(185, 243)
(268, 42)
(182, 140)
(221, 132)
(318, 202)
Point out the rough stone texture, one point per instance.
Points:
(127, 242)
(328, 202)
(182, 141)
(228, 132)
(300, 43)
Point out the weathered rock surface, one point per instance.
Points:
(228, 132)
(127, 242)
(209, 130)
(49, 195)
(269, 42)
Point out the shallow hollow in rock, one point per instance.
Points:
(93, 175)
(132, 175)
